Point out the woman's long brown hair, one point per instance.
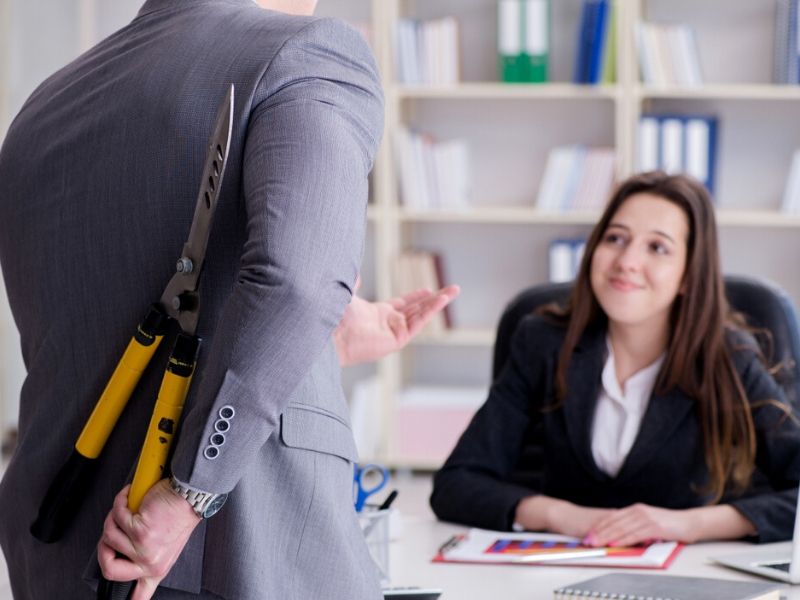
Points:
(698, 360)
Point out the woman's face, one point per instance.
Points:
(638, 266)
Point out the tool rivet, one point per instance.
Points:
(185, 265)
(176, 303)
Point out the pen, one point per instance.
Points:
(389, 499)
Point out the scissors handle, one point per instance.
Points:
(368, 480)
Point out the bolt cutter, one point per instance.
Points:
(179, 305)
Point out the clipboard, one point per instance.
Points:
(481, 546)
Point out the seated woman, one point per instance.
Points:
(656, 406)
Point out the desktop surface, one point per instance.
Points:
(419, 536)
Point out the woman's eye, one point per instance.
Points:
(613, 238)
(659, 248)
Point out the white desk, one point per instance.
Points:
(421, 536)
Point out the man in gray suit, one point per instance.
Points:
(99, 176)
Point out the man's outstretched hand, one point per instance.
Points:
(371, 330)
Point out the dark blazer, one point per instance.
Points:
(665, 466)
(100, 175)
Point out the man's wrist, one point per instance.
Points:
(205, 504)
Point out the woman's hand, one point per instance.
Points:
(542, 513)
(641, 523)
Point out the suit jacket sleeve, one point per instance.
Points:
(473, 486)
(313, 130)
(772, 511)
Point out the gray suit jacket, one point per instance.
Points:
(100, 171)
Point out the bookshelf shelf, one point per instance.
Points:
(506, 91)
(459, 337)
(757, 218)
(499, 215)
(722, 92)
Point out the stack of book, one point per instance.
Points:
(418, 269)
(432, 175)
(564, 259)
(427, 51)
(596, 55)
(786, 63)
(523, 40)
(577, 178)
(678, 144)
(668, 55)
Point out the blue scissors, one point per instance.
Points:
(368, 480)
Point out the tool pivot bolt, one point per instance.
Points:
(185, 265)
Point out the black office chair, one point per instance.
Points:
(764, 305)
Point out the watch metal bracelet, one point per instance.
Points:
(199, 500)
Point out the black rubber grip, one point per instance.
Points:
(114, 590)
(184, 355)
(155, 323)
(64, 498)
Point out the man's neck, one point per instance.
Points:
(292, 7)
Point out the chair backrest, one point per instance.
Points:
(764, 305)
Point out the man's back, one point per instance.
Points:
(100, 174)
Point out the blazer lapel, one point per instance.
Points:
(583, 380)
(663, 416)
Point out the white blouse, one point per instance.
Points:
(619, 413)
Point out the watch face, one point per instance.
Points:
(214, 506)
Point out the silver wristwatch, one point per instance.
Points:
(204, 504)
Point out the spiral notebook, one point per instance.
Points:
(663, 587)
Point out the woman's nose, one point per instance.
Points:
(629, 258)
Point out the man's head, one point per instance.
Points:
(292, 7)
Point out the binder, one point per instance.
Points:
(672, 145)
(523, 40)
(679, 144)
(510, 40)
(537, 40)
(699, 149)
(780, 64)
(598, 35)
(592, 41)
(565, 257)
(649, 144)
(609, 71)
(585, 28)
(790, 203)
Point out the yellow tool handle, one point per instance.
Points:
(65, 494)
(164, 422)
(115, 396)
